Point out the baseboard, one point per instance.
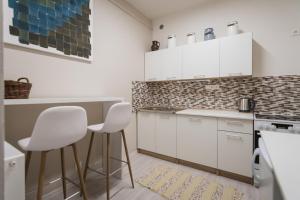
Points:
(199, 167)
(159, 156)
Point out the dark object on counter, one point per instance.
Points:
(155, 45)
(246, 105)
(161, 109)
(209, 34)
(17, 89)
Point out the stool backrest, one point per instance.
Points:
(117, 118)
(58, 127)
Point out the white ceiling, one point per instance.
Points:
(158, 8)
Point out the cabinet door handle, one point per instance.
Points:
(235, 123)
(234, 137)
(171, 78)
(199, 76)
(165, 117)
(195, 120)
(235, 74)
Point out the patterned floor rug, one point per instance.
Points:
(177, 184)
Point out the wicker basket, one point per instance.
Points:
(17, 89)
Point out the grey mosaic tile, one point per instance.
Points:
(273, 95)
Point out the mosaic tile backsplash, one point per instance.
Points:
(278, 95)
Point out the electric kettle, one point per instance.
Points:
(246, 104)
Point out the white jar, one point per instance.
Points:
(233, 28)
(171, 41)
(191, 38)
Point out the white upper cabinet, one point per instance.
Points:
(228, 56)
(163, 65)
(200, 60)
(171, 64)
(236, 55)
(153, 65)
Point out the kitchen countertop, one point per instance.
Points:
(32, 101)
(233, 114)
(283, 149)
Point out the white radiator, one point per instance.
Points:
(14, 181)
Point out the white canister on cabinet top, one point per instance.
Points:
(191, 38)
(171, 41)
(233, 28)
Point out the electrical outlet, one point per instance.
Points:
(212, 87)
(295, 32)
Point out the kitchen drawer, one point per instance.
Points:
(235, 152)
(233, 125)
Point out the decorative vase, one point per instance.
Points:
(209, 34)
(155, 45)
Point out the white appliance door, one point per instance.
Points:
(268, 187)
(266, 179)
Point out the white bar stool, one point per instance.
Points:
(56, 128)
(117, 119)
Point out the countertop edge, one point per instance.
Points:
(195, 112)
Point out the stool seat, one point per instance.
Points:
(117, 119)
(56, 128)
(97, 128)
(23, 143)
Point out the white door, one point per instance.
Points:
(201, 60)
(197, 140)
(166, 134)
(235, 152)
(171, 63)
(146, 131)
(153, 66)
(236, 55)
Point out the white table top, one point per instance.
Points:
(32, 101)
(283, 150)
(217, 113)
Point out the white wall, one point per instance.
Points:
(1, 113)
(275, 52)
(118, 50)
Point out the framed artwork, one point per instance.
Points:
(62, 27)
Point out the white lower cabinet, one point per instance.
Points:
(197, 140)
(157, 133)
(235, 152)
(166, 134)
(220, 143)
(146, 131)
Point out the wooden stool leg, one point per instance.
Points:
(127, 156)
(82, 186)
(63, 172)
(41, 176)
(88, 157)
(108, 166)
(27, 162)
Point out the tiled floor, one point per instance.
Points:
(121, 189)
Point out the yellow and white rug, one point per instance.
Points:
(177, 184)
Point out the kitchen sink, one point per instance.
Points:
(165, 109)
